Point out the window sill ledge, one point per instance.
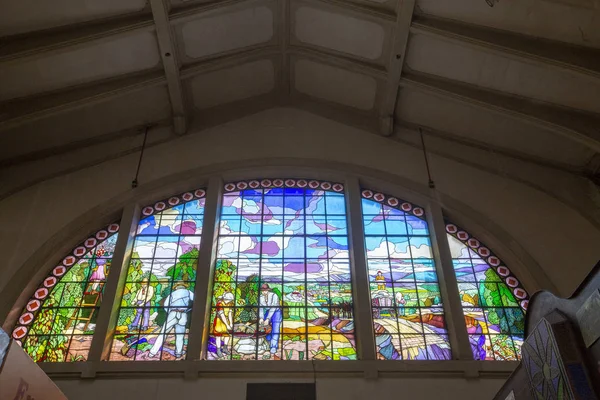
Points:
(201, 368)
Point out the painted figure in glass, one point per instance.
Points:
(99, 272)
(380, 279)
(143, 298)
(177, 305)
(223, 324)
(271, 318)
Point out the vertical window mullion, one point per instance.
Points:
(115, 282)
(457, 330)
(360, 278)
(200, 315)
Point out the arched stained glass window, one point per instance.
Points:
(153, 320)
(494, 303)
(58, 321)
(408, 314)
(282, 287)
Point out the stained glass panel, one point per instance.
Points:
(58, 322)
(153, 320)
(282, 287)
(408, 313)
(493, 302)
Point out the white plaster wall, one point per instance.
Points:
(235, 389)
(558, 238)
(335, 84)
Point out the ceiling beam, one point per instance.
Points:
(18, 111)
(27, 109)
(577, 126)
(357, 9)
(168, 54)
(37, 43)
(395, 64)
(187, 12)
(563, 56)
(34, 44)
(335, 59)
(242, 56)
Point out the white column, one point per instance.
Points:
(363, 317)
(113, 289)
(198, 338)
(457, 329)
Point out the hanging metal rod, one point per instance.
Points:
(431, 182)
(134, 183)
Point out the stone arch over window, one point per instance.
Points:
(58, 322)
(493, 301)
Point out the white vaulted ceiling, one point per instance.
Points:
(521, 78)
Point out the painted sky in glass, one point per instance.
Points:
(282, 287)
(153, 320)
(58, 322)
(408, 314)
(493, 302)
